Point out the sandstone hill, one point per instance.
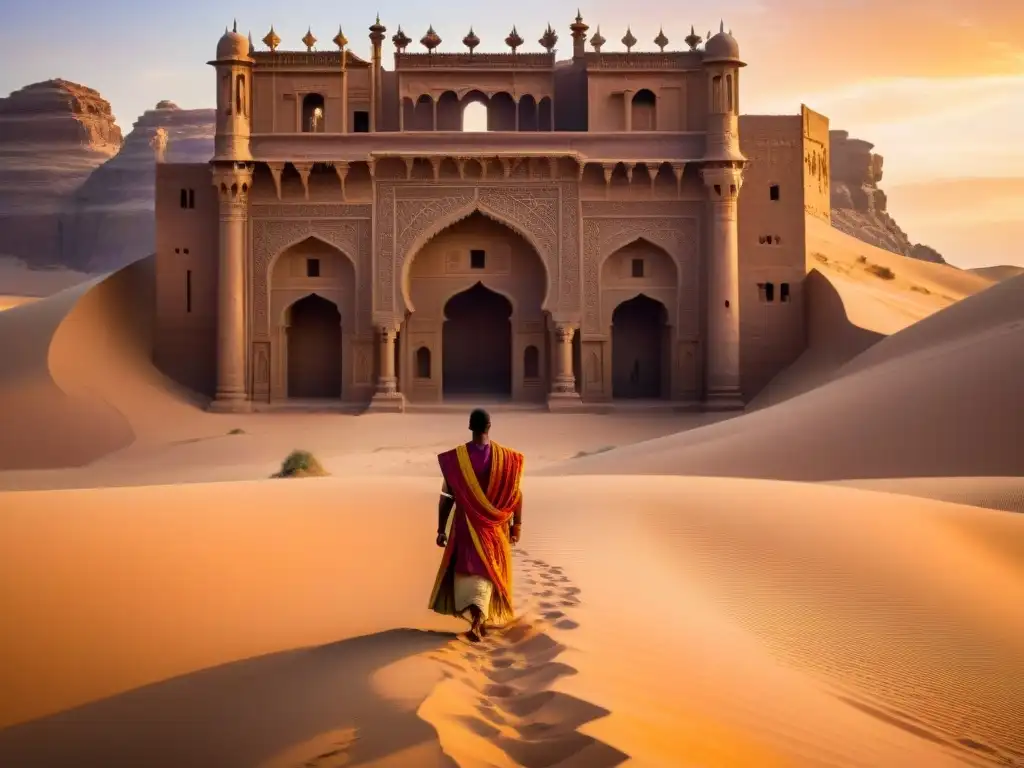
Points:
(52, 136)
(998, 272)
(859, 206)
(111, 220)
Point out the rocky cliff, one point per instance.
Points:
(112, 222)
(53, 135)
(859, 206)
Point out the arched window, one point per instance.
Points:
(730, 99)
(531, 363)
(422, 363)
(717, 102)
(474, 117)
(313, 113)
(644, 107)
(240, 106)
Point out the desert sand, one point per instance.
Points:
(681, 601)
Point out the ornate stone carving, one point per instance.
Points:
(616, 208)
(409, 216)
(271, 236)
(602, 237)
(569, 266)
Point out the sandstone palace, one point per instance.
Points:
(618, 231)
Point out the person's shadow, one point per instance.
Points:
(239, 715)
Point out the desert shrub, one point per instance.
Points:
(879, 271)
(301, 464)
(920, 289)
(821, 257)
(237, 431)
(862, 259)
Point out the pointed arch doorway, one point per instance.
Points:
(314, 349)
(476, 344)
(639, 349)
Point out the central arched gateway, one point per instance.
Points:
(314, 348)
(475, 325)
(476, 343)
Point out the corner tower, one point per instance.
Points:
(722, 171)
(232, 177)
(234, 105)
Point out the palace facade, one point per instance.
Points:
(617, 232)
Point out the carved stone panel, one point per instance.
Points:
(676, 235)
(407, 216)
(278, 227)
(261, 371)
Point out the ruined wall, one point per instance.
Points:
(187, 243)
(816, 164)
(772, 249)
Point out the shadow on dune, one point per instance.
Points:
(240, 715)
(832, 341)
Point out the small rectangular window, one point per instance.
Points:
(638, 267)
(360, 122)
(773, 191)
(766, 291)
(191, 198)
(784, 292)
(184, 198)
(188, 290)
(477, 259)
(312, 267)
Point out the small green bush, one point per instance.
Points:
(301, 464)
(879, 271)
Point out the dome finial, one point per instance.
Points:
(234, 26)
(721, 26)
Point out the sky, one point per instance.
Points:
(936, 85)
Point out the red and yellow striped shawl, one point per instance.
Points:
(488, 512)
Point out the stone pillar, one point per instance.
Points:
(387, 397)
(563, 384)
(233, 182)
(723, 347)
(627, 100)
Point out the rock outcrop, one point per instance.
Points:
(53, 135)
(112, 223)
(859, 206)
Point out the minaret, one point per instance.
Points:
(377, 31)
(579, 36)
(232, 177)
(722, 170)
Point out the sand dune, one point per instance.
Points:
(1006, 493)
(941, 398)
(778, 624)
(999, 272)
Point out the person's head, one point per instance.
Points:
(479, 422)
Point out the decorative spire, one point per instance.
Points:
(377, 31)
(234, 26)
(401, 40)
(431, 40)
(578, 27)
(693, 39)
(272, 40)
(471, 41)
(661, 41)
(721, 27)
(340, 40)
(708, 36)
(513, 40)
(628, 40)
(252, 47)
(549, 39)
(308, 40)
(597, 41)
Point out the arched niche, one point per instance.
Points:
(314, 113)
(477, 258)
(639, 267)
(314, 348)
(309, 267)
(644, 111)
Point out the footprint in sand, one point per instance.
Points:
(328, 750)
(508, 679)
